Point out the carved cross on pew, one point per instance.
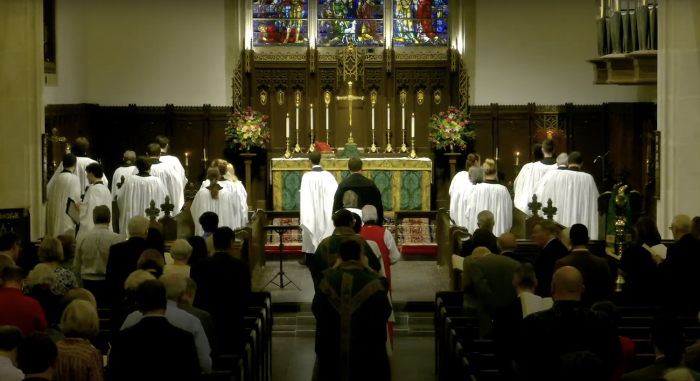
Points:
(534, 206)
(550, 211)
(153, 212)
(167, 207)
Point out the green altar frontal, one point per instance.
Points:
(404, 183)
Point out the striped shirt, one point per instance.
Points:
(78, 360)
(92, 251)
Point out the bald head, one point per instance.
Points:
(506, 242)
(480, 252)
(563, 160)
(680, 226)
(567, 284)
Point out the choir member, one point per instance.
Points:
(79, 149)
(315, 204)
(531, 173)
(217, 199)
(63, 185)
(137, 192)
(170, 160)
(491, 196)
(96, 195)
(127, 169)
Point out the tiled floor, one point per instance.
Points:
(293, 359)
(412, 281)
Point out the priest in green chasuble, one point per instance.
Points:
(351, 307)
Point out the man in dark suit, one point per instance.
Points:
(669, 342)
(507, 245)
(545, 236)
(595, 271)
(185, 304)
(483, 236)
(153, 349)
(223, 289)
(124, 255)
(678, 270)
(366, 190)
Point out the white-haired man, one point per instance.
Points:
(175, 286)
(180, 251)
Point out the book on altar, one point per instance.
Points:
(532, 303)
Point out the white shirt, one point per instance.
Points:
(92, 252)
(8, 372)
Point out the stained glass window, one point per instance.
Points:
(343, 21)
(420, 23)
(280, 22)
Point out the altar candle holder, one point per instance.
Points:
(373, 148)
(413, 154)
(389, 148)
(403, 148)
(311, 146)
(287, 154)
(297, 147)
(311, 137)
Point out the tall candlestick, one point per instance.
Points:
(187, 159)
(413, 125)
(287, 125)
(517, 158)
(311, 108)
(373, 118)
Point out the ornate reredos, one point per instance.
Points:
(351, 64)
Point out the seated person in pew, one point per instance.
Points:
(185, 303)
(153, 348)
(544, 234)
(669, 342)
(679, 270)
(627, 360)
(351, 309)
(483, 236)
(567, 327)
(36, 357)
(638, 265)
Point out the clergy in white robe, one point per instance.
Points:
(231, 183)
(96, 195)
(126, 170)
(315, 204)
(137, 192)
(167, 174)
(216, 199)
(574, 194)
(63, 186)
(531, 173)
(79, 149)
(170, 160)
(492, 196)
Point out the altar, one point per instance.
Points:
(405, 184)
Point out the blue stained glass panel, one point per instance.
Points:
(420, 23)
(343, 21)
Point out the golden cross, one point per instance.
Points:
(349, 98)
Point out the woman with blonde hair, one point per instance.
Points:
(127, 304)
(51, 254)
(225, 202)
(152, 261)
(77, 359)
(492, 196)
(40, 281)
(180, 251)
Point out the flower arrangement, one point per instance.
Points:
(247, 129)
(450, 129)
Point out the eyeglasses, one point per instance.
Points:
(670, 228)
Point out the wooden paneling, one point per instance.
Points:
(513, 136)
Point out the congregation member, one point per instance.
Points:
(544, 234)
(628, 357)
(151, 260)
(489, 280)
(531, 173)
(507, 244)
(10, 339)
(77, 359)
(68, 244)
(92, 253)
(209, 221)
(568, 327)
(64, 185)
(366, 190)
(174, 186)
(9, 249)
(483, 236)
(79, 149)
(96, 195)
(327, 253)
(164, 144)
(461, 183)
(318, 188)
(51, 253)
(186, 302)
(127, 169)
(218, 200)
(668, 340)
(678, 270)
(351, 331)
(137, 193)
(180, 251)
(155, 241)
(153, 348)
(595, 271)
(40, 281)
(126, 302)
(122, 258)
(199, 250)
(80, 294)
(491, 196)
(175, 285)
(36, 357)
(16, 308)
(224, 288)
(574, 193)
(638, 264)
(227, 180)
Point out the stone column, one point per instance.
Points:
(679, 110)
(21, 108)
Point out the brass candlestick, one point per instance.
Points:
(413, 154)
(388, 149)
(311, 147)
(403, 148)
(297, 148)
(287, 154)
(373, 148)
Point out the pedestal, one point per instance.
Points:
(248, 160)
(452, 156)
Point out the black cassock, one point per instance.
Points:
(367, 194)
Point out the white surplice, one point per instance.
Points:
(135, 197)
(494, 198)
(315, 207)
(96, 195)
(80, 165)
(526, 183)
(227, 207)
(174, 162)
(575, 196)
(459, 191)
(173, 184)
(238, 190)
(62, 186)
(117, 178)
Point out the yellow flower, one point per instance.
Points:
(245, 136)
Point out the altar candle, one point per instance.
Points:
(413, 125)
(187, 159)
(388, 117)
(205, 155)
(517, 158)
(297, 125)
(403, 118)
(372, 118)
(312, 116)
(287, 125)
(326, 117)
(496, 153)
